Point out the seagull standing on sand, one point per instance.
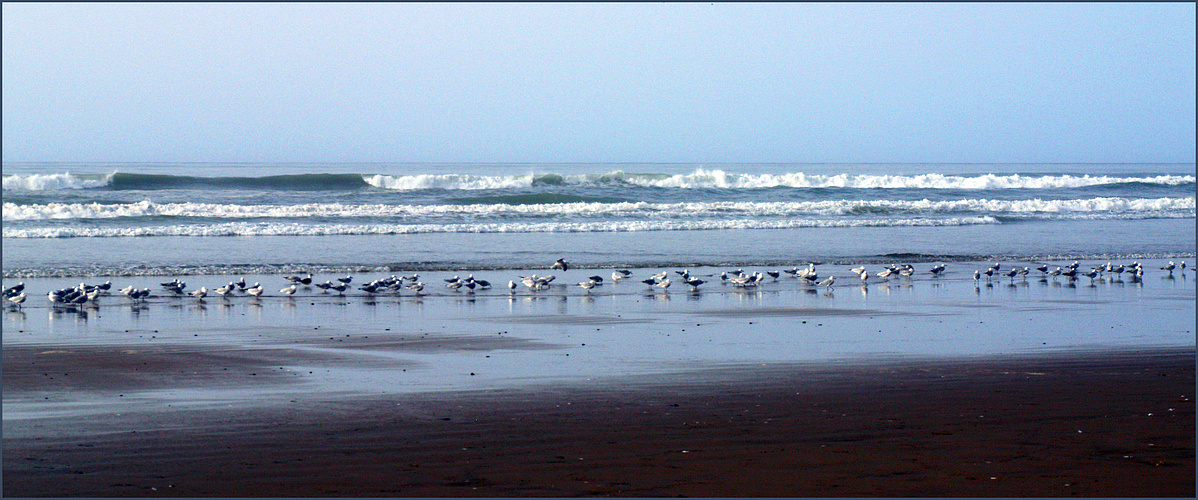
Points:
(289, 291)
(828, 282)
(300, 281)
(14, 290)
(17, 299)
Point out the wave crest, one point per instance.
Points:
(1144, 207)
(698, 179)
(49, 182)
(297, 229)
(720, 179)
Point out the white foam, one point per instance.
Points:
(698, 179)
(720, 179)
(297, 229)
(715, 178)
(1154, 207)
(447, 181)
(46, 182)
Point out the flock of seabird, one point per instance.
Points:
(1071, 272)
(84, 293)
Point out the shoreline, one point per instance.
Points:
(913, 387)
(1113, 423)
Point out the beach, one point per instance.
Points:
(1092, 424)
(929, 387)
(632, 250)
(908, 383)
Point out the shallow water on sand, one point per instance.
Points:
(276, 349)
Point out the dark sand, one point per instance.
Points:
(1097, 424)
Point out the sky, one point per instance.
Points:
(605, 83)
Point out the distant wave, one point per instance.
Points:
(698, 179)
(49, 182)
(1101, 206)
(151, 182)
(719, 179)
(297, 229)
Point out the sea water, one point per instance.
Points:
(93, 219)
(210, 224)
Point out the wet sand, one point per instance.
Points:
(924, 388)
(1107, 424)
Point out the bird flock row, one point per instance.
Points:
(1071, 272)
(84, 293)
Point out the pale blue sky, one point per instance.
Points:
(580, 82)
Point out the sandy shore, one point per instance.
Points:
(928, 387)
(1083, 424)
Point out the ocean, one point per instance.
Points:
(211, 224)
(120, 219)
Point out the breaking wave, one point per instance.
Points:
(298, 229)
(1099, 206)
(698, 179)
